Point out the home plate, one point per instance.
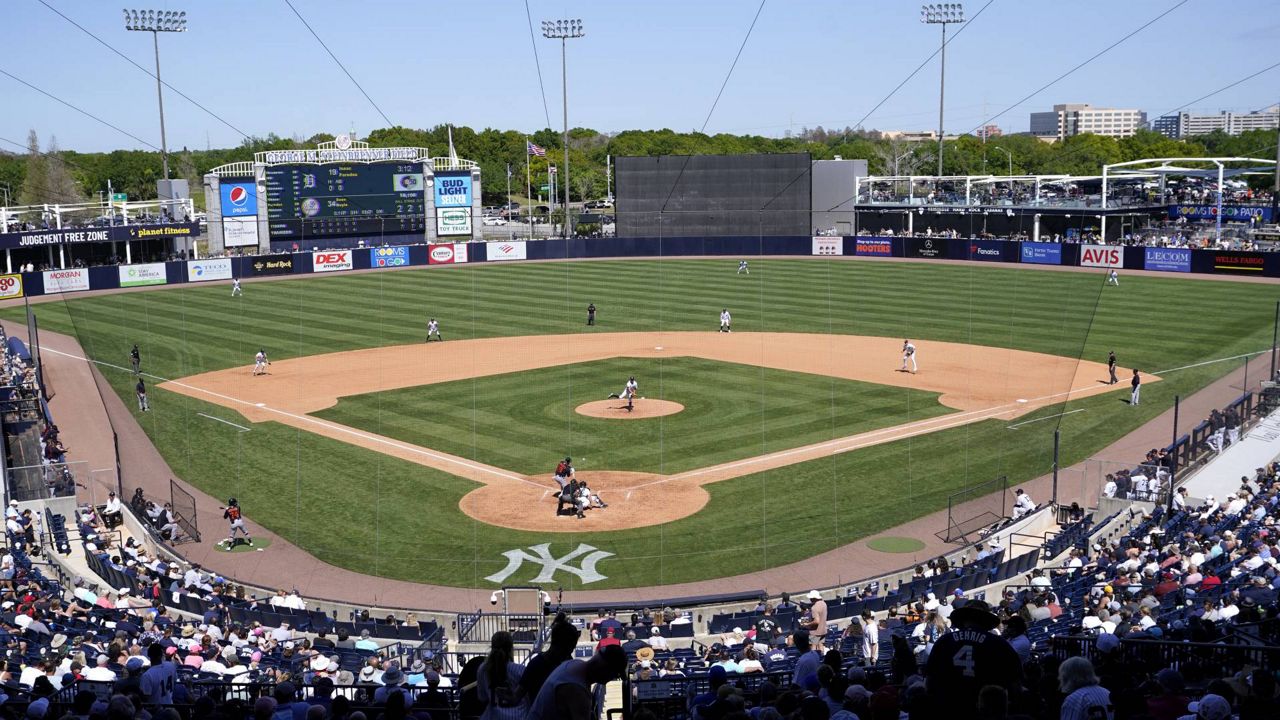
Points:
(1022, 400)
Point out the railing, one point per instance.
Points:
(1167, 653)
(480, 627)
(669, 696)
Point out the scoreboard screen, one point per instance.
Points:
(345, 199)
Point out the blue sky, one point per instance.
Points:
(642, 65)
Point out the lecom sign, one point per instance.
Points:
(1103, 256)
(331, 260)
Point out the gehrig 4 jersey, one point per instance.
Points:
(962, 662)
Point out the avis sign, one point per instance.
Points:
(541, 556)
(331, 260)
(1103, 256)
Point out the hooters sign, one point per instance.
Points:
(331, 260)
(1103, 256)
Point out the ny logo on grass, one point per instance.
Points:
(550, 565)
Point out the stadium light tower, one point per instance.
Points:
(941, 14)
(563, 30)
(156, 22)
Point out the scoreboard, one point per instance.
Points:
(343, 199)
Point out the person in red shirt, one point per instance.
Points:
(608, 639)
(1168, 583)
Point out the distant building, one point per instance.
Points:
(987, 132)
(1186, 124)
(1070, 119)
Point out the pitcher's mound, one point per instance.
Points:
(617, 409)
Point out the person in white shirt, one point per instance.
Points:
(100, 672)
(1022, 503)
(908, 356)
(726, 321)
(656, 641)
(1237, 504)
(870, 638)
(1109, 490)
(11, 512)
(111, 512)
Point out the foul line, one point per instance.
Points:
(228, 422)
(414, 449)
(1047, 417)
(1210, 362)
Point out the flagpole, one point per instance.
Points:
(528, 185)
(510, 230)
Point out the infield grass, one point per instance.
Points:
(376, 514)
(518, 420)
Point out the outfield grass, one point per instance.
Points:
(364, 510)
(519, 420)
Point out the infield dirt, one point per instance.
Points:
(979, 382)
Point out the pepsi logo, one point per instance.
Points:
(238, 196)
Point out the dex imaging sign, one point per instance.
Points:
(331, 260)
(453, 191)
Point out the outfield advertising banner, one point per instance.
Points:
(206, 270)
(1167, 259)
(1040, 253)
(1238, 263)
(272, 264)
(34, 238)
(828, 246)
(240, 231)
(389, 257)
(239, 199)
(60, 281)
(873, 247)
(506, 251)
(447, 254)
(145, 274)
(926, 247)
(985, 250)
(1102, 256)
(10, 286)
(331, 260)
(453, 191)
(453, 221)
(1230, 213)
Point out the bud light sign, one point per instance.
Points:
(453, 191)
(1167, 259)
(239, 199)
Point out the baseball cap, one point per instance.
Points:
(1108, 642)
(1211, 707)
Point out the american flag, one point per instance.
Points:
(532, 149)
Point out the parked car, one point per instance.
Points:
(493, 220)
(542, 209)
(599, 204)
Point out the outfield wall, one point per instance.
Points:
(1172, 260)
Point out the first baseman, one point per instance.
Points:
(908, 354)
(726, 321)
(433, 328)
(260, 362)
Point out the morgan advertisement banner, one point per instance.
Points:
(1102, 256)
(59, 281)
(331, 260)
(447, 254)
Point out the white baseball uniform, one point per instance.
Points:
(235, 288)
(742, 268)
(260, 363)
(433, 328)
(725, 322)
(909, 354)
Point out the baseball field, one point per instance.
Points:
(790, 436)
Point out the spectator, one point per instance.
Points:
(568, 693)
(1085, 698)
(969, 658)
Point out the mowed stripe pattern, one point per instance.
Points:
(524, 421)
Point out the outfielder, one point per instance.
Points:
(433, 328)
(726, 321)
(260, 362)
(236, 518)
(235, 288)
(742, 267)
(1113, 278)
(908, 355)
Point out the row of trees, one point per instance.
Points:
(61, 176)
